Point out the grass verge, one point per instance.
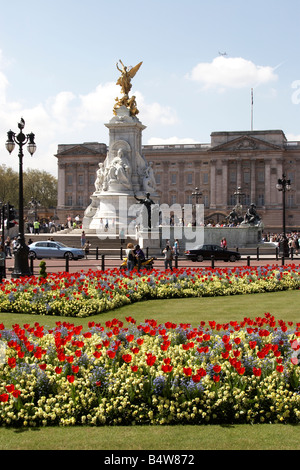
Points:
(283, 305)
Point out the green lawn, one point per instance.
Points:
(283, 305)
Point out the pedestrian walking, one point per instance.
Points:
(168, 258)
(130, 256)
(36, 227)
(86, 248)
(7, 247)
(82, 239)
(122, 236)
(176, 247)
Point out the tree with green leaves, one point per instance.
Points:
(37, 184)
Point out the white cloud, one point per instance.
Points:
(236, 72)
(68, 118)
(155, 113)
(293, 137)
(98, 104)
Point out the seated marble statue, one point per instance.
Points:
(120, 170)
(149, 183)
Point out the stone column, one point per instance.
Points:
(225, 182)
(238, 171)
(253, 181)
(213, 184)
(267, 182)
(61, 189)
(181, 182)
(279, 165)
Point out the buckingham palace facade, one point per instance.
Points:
(252, 161)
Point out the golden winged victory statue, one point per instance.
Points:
(127, 73)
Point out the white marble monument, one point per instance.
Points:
(125, 173)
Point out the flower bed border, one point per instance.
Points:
(90, 293)
(236, 372)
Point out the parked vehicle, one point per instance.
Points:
(52, 249)
(202, 252)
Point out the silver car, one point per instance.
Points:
(51, 249)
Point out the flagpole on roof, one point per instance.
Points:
(251, 109)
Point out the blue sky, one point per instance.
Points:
(58, 69)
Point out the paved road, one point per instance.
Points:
(55, 265)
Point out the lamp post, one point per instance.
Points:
(239, 196)
(197, 195)
(284, 185)
(21, 267)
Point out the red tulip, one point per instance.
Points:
(4, 397)
(196, 378)
(12, 362)
(16, 393)
(166, 368)
(187, 371)
(257, 371)
(127, 358)
(150, 359)
(201, 372)
(10, 388)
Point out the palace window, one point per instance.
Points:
(261, 176)
(261, 200)
(232, 176)
(246, 176)
(189, 178)
(173, 178)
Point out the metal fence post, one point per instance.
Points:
(176, 261)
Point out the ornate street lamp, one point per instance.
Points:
(21, 267)
(284, 185)
(197, 195)
(238, 196)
